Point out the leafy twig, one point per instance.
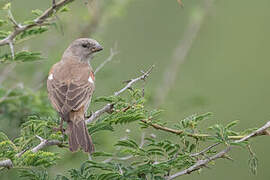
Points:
(18, 29)
(202, 163)
(179, 131)
(43, 143)
(108, 107)
(205, 150)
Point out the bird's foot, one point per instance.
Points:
(87, 117)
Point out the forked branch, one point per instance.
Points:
(202, 163)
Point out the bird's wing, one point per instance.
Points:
(67, 94)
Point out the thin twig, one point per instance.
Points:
(205, 150)
(99, 112)
(113, 52)
(108, 107)
(178, 131)
(37, 22)
(11, 18)
(132, 81)
(43, 143)
(202, 163)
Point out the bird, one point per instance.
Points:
(70, 85)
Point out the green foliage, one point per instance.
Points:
(40, 158)
(22, 56)
(33, 174)
(4, 34)
(32, 32)
(7, 147)
(64, 9)
(152, 158)
(37, 12)
(3, 22)
(18, 102)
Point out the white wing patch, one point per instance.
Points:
(50, 77)
(90, 79)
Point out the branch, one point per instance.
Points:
(112, 54)
(202, 163)
(178, 131)
(205, 150)
(18, 29)
(11, 18)
(6, 163)
(43, 143)
(98, 113)
(108, 107)
(132, 81)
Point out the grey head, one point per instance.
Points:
(83, 49)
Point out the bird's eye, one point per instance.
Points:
(84, 45)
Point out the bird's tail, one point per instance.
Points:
(78, 135)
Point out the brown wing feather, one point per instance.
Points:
(64, 99)
(69, 89)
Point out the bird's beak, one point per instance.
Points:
(97, 48)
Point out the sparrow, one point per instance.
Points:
(70, 87)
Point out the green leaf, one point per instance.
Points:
(40, 158)
(2, 22)
(192, 147)
(99, 126)
(231, 124)
(3, 137)
(203, 116)
(103, 154)
(107, 99)
(7, 6)
(37, 12)
(253, 164)
(23, 56)
(4, 34)
(127, 143)
(64, 9)
(34, 174)
(32, 32)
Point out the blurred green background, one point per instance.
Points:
(226, 70)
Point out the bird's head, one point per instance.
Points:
(83, 48)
